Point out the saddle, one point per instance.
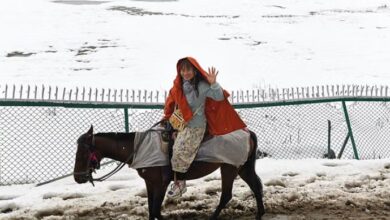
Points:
(168, 137)
(231, 148)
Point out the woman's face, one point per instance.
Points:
(187, 73)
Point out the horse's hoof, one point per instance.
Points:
(213, 217)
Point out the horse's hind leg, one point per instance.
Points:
(249, 175)
(228, 174)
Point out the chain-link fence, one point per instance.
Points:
(39, 143)
(38, 140)
(311, 130)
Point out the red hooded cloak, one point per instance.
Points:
(221, 116)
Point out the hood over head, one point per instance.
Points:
(202, 72)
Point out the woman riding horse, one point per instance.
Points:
(193, 93)
(198, 96)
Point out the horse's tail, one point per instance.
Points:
(251, 162)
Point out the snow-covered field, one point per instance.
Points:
(135, 44)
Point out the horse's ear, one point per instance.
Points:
(90, 131)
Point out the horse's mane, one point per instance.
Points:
(117, 136)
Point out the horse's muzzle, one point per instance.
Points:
(82, 177)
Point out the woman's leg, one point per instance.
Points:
(185, 148)
(184, 151)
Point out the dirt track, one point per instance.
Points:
(280, 204)
(336, 210)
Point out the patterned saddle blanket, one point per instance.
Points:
(232, 148)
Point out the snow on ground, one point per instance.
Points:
(293, 189)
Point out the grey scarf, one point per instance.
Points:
(189, 91)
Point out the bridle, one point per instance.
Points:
(94, 161)
(92, 164)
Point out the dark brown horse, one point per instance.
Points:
(119, 146)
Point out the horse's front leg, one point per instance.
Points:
(159, 189)
(158, 198)
(228, 174)
(155, 198)
(149, 189)
(156, 187)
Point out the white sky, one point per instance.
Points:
(252, 43)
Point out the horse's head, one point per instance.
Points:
(87, 158)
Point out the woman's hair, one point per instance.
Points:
(186, 64)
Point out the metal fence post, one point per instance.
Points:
(126, 120)
(350, 130)
(343, 147)
(329, 136)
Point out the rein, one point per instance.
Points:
(115, 170)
